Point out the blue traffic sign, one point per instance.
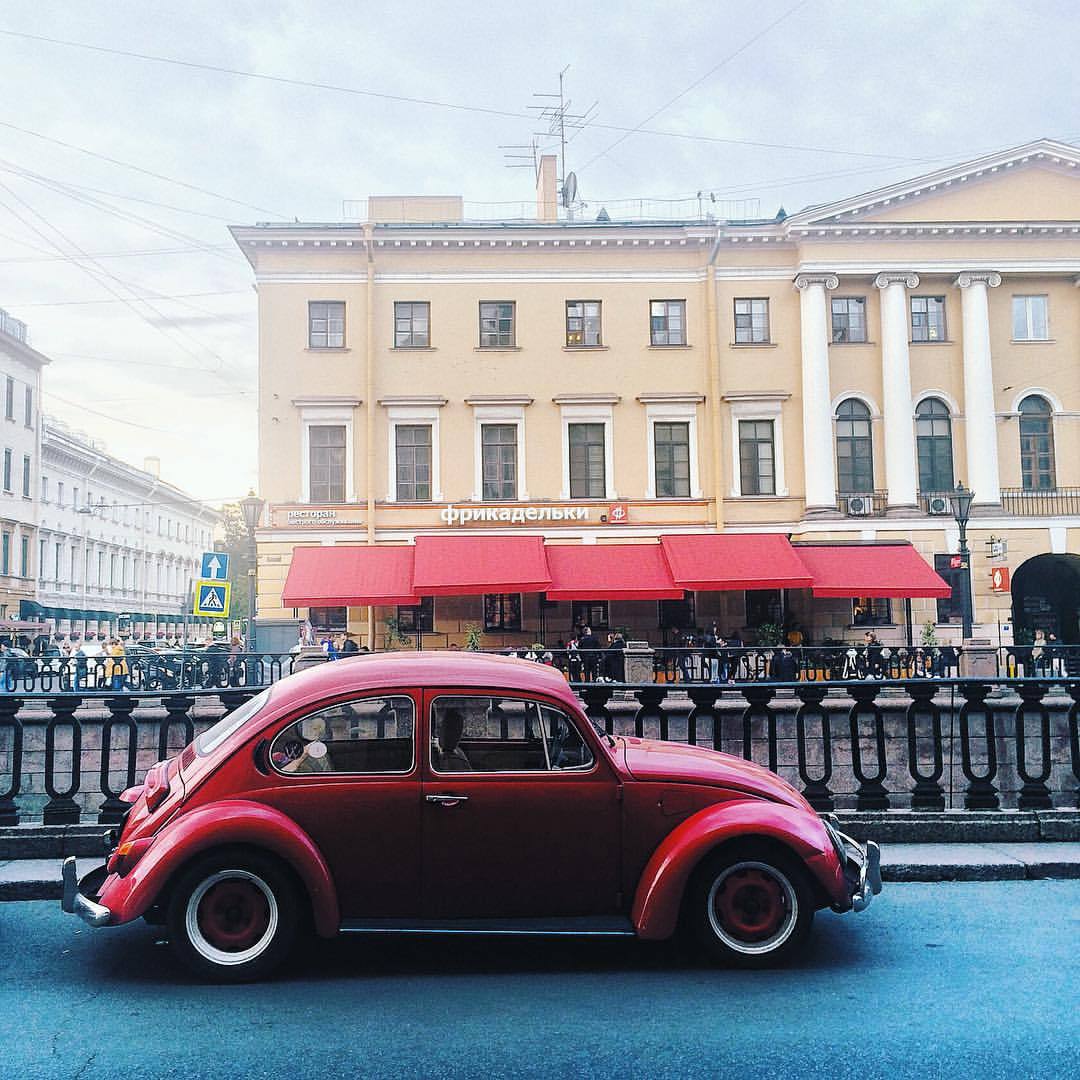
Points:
(215, 566)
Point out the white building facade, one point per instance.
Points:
(117, 548)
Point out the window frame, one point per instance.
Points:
(758, 408)
(27, 476)
(411, 304)
(884, 618)
(498, 415)
(1026, 453)
(666, 331)
(665, 618)
(416, 618)
(330, 483)
(9, 398)
(577, 611)
(932, 441)
(312, 304)
(503, 601)
(497, 344)
(334, 776)
(753, 465)
(411, 415)
(771, 601)
(414, 483)
(1027, 298)
(7, 470)
(585, 319)
(673, 413)
(742, 330)
(866, 441)
(28, 407)
(926, 298)
(319, 416)
(589, 414)
(846, 315)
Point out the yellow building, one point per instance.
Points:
(823, 377)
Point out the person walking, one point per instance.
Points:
(589, 645)
(116, 668)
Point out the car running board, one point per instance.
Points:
(576, 925)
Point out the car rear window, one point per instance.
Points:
(214, 736)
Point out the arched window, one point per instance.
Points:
(854, 448)
(933, 437)
(1037, 444)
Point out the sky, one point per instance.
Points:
(120, 174)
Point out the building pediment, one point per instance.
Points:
(1038, 182)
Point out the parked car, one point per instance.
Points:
(460, 792)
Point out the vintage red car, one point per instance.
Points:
(449, 792)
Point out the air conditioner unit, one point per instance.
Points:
(938, 504)
(860, 505)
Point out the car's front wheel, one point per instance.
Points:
(751, 906)
(233, 916)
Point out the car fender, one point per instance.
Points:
(229, 822)
(655, 912)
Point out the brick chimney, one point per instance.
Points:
(547, 190)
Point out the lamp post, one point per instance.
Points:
(251, 507)
(961, 509)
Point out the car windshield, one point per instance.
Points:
(214, 736)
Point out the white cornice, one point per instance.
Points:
(939, 266)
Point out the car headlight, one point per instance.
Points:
(834, 836)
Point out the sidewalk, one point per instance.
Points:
(39, 879)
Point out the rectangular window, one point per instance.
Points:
(928, 318)
(757, 465)
(7, 470)
(329, 619)
(871, 611)
(28, 407)
(752, 322)
(950, 609)
(112, 571)
(848, 319)
(412, 448)
(502, 611)
(9, 398)
(496, 325)
(582, 322)
(1029, 318)
(5, 553)
(74, 498)
(667, 322)
(44, 489)
(326, 324)
(591, 613)
(587, 465)
(326, 463)
(412, 325)
(763, 606)
(58, 559)
(677, 614)
(24, 556)
(498, 446)
(26, 475)
(418, 617)
(60, 493)
(671, 443)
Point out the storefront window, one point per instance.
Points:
(871, 611)
(763, 606)
(678, 614)
(590, 613)
(329, 619)
(502, 611)
(421, 617)
(950, 609)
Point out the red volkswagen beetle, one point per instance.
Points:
(441, 792)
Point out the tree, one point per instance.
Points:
(237, 546)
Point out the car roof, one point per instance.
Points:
(373, 671)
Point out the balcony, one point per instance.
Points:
(1048, 502)
(862, 503)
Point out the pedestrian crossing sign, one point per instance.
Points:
(212, 598)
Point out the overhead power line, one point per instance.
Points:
(285, 80)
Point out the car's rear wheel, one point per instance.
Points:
(751, 906)
(233, 915)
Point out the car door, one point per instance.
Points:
(521, 813)
(348, 773)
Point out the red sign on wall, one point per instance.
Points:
(999, 579)
(618, 514)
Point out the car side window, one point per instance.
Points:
(368, 735)
(499, 734)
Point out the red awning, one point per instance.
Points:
(610, 572)
(349, 575)
(879, 570)
(469, 565)
(724, 561)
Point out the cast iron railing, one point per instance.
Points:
(870, 745)
(1053, 502)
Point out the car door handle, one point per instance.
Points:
(447, 800)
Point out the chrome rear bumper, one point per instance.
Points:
(861, 864)
(74, 903)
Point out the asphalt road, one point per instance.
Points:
(958, 980)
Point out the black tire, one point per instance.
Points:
(233, 915)
(750, 905)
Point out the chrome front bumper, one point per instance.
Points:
(861, 864)
(73, 901)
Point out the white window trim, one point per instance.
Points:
(673, 413)
(589, 414)
(319, 416)
(758, 409)
(413, 414)
(1045, 297)
(498, 414)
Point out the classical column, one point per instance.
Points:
(900, 475)
(980, 425)
(819, 461)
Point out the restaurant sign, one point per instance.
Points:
(312, 517)
(512, 515)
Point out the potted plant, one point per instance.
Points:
(474, 634)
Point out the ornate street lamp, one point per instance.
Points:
(961, 509)
(251, 507)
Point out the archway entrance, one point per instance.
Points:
(1046, 596)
